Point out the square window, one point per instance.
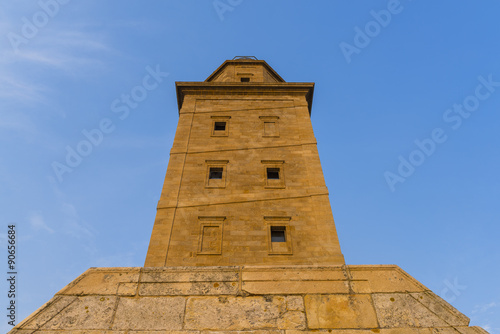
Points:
(278, 234)
(219, 126)
(245, 79)
(273, 173)
(215, 173)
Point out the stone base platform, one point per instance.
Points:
(249, 299)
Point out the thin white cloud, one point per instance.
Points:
(74, 225)
(14, 88)
(71, 53)
(484, 307)
(37, 223)
(17, 122)
(487, 328)
(116, 260)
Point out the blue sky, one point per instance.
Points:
(406, 113)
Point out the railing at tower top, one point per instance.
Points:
(245, 57)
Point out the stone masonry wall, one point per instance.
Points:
(285, 300)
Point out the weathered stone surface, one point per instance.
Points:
(97, 281)
(190, 274)
(88, 312)
(295, 303)
(407, 330)
(295, 287)
(296, 274)
(292, 319)
(383, 279)
(146, 313)
(340, 311)
(402, 310)
(186, 289)
(233, 313)
(233, 310)
(46, 312)
(163, 332)
(368, 331)
(127, 289)
(243, 332)
(72, 331)
(437, 305)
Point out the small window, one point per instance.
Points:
(273, 173)
(215, 173)
(278, 234)
(245, 79)
(219, 126)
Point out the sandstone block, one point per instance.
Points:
(46, 312)
(147, 313)
(84, 313)
(101, 282)
(294, 303)
(233, 313)
(340, 311)
(402, 310)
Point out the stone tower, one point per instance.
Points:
(244, 239)
(244, 183)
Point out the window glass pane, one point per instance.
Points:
(220, 126)
(278, 234)
(215, 173)
(273, 173)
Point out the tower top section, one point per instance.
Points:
(244, 75)
(245, 69)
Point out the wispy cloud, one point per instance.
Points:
(484, 314)
(116, 260)
(37, 223)
(68, 52)
(73, 224)
(17, 122)
(484, 307)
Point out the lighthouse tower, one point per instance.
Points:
(244, 239)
